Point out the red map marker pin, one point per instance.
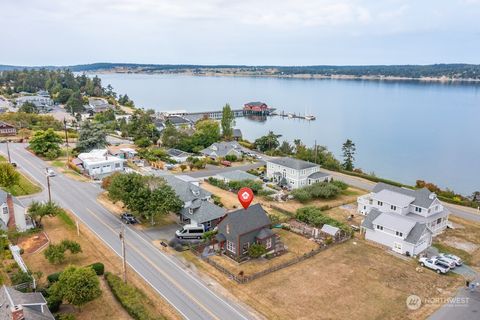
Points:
(245, 196)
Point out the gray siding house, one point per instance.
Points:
(16, 305)
(222, 149)
(244, 227)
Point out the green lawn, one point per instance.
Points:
(24, 187)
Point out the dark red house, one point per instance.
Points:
(7, 129)
(255, 106)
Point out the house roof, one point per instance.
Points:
(221, 149)
(177, 153)
(255, 104)
(319, 175)
(203, 211)
(177, 120)
(372, 215)
(423, 197)
(237, 175)
(31, 303)
(416, 233)
(393, 197)
(264, 233)
(5, 125)
(3, 196)
(242, 221)
(394, 222)
(237, 133)
(293, 163)
(186, 191)
(331, 230)
(97, 156)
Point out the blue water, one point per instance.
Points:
(403, 130)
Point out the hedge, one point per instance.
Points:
(315, 217)
(53, 277)
(98, 267)
(131, 298)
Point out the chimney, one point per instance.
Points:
(17, 312)
(11, 213)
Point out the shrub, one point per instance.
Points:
(252, 184)
(54, 303)
(55, 253)
(209, 235)
(66, 316)
(53, 277)
(256, 250)
(265, 193)
(301, 195)
(20, 277)
(217, 200)
(231, 157)
(130, 297)
(72, 246)
(340, 184)
(98, 267)
(314, 216)
(323, 190)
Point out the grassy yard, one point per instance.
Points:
(353, 280)
(24, 186)
(297, 246)
(93, 250)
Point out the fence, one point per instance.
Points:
(18, 259)
(245, 279)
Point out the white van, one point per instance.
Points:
(191, 231)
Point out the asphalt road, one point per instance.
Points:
(186, 293)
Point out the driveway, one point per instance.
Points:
(161, 233)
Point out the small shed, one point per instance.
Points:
(330, 231)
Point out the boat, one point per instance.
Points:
(309, 117)
(290, 115)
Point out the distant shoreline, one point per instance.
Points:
(305, 76)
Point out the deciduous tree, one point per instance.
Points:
(46, 143)
(227, 122)
(8, 175)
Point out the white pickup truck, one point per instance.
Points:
(435, 265)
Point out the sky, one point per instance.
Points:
(250, 32)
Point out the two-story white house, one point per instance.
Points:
(13, 214)
(393, 213)
(294, 172)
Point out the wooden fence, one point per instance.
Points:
(245, 279)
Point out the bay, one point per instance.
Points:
(403, 130)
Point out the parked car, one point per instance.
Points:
(442, 262)
(50, 172)
(226, 163)
(447, 256)
(191, 231)
(14, 164)
(258, 156)
(434, 265)
(128, 218)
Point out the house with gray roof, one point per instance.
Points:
(13, 213)
(16, 305)
(244, 227)
(223, 149)
(419, 205)
(237, 134)
(178, 155)
(235, 175)
(295, 173)
(400, 234)
(198, 205)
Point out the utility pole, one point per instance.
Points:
(66, 139)
(315, 151)
(49, 193)
(8, 152)
(122, 238)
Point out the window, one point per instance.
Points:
(398, 234)
(268, 243)
(397, 246)
(439, 220)
(380, 203)
(393, 207)
(245, 247)
(436, 208)
(208, 224)
(418, 209)
(231, 246)
(379, 227)
(117, 165)
(5, 210)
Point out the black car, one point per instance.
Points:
(128, 218)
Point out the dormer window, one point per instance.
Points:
(399, 234)
(392, 207)
(379, 227)
(418, 209)
(190, 210)
(380, 203)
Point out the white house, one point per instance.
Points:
(13, 213)
(178, 156)
(294, 172)
(394, 212)
(98, 163)
(402, 235)
(419, 205)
